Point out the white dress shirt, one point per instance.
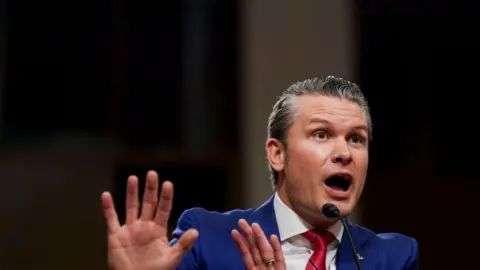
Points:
(296, 249)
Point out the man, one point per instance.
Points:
(317, 147)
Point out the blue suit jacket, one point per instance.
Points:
(215, 249)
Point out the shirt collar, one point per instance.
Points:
(290, 224)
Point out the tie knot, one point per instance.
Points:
(320, 239)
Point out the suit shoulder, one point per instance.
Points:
(407, 245)
(202, 215)
(399, 248)
(392, 238)
(206, 221)
(399, 240)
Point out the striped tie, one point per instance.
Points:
(320, 242)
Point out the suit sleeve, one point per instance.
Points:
(187, 221)
(412, 263)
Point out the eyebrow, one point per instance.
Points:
(324, 121)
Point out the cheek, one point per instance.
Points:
(311, 156)
(364, 159)
(321, 154)
(307, 161)
(361, 162)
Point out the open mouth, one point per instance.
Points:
(339, 182)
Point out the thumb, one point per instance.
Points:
(184, 243)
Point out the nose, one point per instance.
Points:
(341, 153)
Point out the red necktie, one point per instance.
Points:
(320, 242)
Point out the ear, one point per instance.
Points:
(276, 154)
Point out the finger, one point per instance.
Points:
(150, 196)
(248, 234)
(244, 249)
(277, 253)
(164, 207)
(132, 199)
(266, 250)
(109, 213)
(184, 244)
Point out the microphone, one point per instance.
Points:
(331, 211)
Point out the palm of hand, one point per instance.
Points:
(139, 246)
(142, 243)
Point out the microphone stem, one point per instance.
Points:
(354, 251)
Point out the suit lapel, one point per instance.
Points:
(345, 259)
(265, 217)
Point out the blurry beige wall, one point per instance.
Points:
(286, 41)
(50, 197)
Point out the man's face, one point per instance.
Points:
(328, 138)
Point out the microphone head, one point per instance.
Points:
(330, 210)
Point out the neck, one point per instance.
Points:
(314, 217)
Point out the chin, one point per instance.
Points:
(346, 208)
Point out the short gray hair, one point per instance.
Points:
(284, 112)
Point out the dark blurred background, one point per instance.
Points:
(93, 92)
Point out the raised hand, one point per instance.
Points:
(142, 242)
(257, 252)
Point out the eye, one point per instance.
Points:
(320, 135)
(357, 139)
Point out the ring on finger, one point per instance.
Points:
(269, 262)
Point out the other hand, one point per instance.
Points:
(257, 252)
